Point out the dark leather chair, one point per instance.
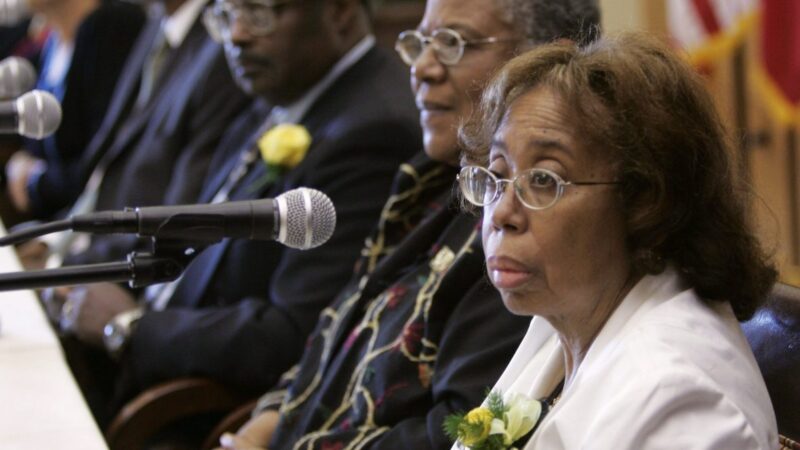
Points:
(774, 335)
(177, 414)
(230, 424)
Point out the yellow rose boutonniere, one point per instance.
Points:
(496, 426)
(282, 148)
(284, 145)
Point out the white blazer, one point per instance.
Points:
(667, 371)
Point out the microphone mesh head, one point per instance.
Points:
(17, 76)
(39, 114)
(308, 219)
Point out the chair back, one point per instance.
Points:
(774, 336)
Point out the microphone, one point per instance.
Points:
(17, 76)
(302, 218)
(13, 11)
(36, 114)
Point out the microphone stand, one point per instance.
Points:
(165, 263)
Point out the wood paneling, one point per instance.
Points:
(393, 17)
(770, 151)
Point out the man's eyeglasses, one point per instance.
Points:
(535, 188)
(448, 45)
(259, 17)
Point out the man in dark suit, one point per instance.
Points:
(173, 101)
(242, 310)
(101, 42)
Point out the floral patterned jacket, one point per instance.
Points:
(418, 334)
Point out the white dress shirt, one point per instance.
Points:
(177, 25)
(667, 371)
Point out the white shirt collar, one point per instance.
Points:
(648, 293)
(177, 25)
(294, 112)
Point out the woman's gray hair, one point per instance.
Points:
(543, 21)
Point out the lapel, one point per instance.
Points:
(237, 137)
(203, 268)
(539, 332)
(316, 118)
(213, 255)
(220, 177)
(325, 110)
(181, 62)
(125, 92)
(189, 291)
(175, 72)
(328, 106)
(248, 188)
(191, 286)
(650, 292)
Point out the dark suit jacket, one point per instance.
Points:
(102, 43)
(12, 37)
(160, 153)
(243, 309)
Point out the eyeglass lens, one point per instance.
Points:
(447, 44)
(256, 17)
(537, 189)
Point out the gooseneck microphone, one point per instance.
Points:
(36, 114)
(302, 218)
(17, 76)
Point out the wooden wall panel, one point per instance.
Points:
(773, 159)
(769, 150)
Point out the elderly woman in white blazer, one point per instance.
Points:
(614, 214)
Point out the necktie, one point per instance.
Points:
(152, 68)
(63, 243)
(248, 156)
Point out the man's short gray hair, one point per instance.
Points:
(544, 21)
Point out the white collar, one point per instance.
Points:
(649, 292)
(296, 111)
(177, 25)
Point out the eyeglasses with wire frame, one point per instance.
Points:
(536, 188)
(448, 45)
(258, 17)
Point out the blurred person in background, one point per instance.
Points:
(174, 100)
(82, 58)
(172, 103)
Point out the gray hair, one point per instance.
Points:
(543, 21)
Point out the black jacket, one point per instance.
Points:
(243, 309)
